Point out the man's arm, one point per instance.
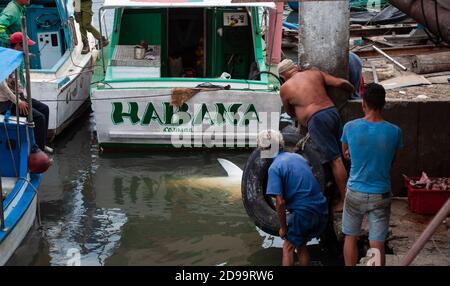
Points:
(6, 93)
(337, 82)
(345, 151)
(289, 108)
(5, 21)
(281, 210)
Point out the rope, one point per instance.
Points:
(10, 149)
(300, 146)
(38, 208)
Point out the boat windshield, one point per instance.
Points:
(197, 42)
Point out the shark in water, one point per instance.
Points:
(232, 185)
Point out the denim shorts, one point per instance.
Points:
(378, 210)
(304, 226)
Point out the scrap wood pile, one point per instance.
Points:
(410, 59)
(426, 183)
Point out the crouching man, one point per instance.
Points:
(297, 191)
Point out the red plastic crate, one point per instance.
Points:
(423, 201)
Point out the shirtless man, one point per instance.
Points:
(305, 98)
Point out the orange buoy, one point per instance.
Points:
(38, 161)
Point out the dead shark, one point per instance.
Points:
(232, 185)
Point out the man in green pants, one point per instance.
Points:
(83, 15)
(10, 21)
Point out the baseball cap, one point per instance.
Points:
(17, 38)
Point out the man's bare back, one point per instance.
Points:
(305, 93)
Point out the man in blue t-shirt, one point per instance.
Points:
(297, 191)
(371, 144)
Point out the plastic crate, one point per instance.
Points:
(423, 201)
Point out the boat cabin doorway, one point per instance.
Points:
(210, 43)
(186, 45)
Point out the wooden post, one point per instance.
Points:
(426, 234)
(274, 35)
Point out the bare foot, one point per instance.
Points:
(339, 207)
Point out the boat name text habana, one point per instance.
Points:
(237, 114)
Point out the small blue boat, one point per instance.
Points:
(18, 187)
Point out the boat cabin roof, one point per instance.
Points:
(182, 3)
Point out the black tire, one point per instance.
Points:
(259, 207)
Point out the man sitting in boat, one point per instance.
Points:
(83, 15)
(10, 20)
(8, 100)
(305, 98)
(296, 189)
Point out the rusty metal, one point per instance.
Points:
(402, 51)
(426, 234)
(429, 13)
(383, 30)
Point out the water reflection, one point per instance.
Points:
(163, 208)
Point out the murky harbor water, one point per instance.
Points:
(165, 208)
(139, 209)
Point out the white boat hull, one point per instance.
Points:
(64, 100)
(219, 119)
(15, 237)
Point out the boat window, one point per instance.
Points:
(185, 42)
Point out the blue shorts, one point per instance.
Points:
(304, 226)
(325, 130)
(378, 210)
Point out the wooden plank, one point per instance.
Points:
(402, 51)
(383, 30)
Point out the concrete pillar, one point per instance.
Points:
(274, 34)
(324, 39)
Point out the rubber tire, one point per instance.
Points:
(259, 207)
